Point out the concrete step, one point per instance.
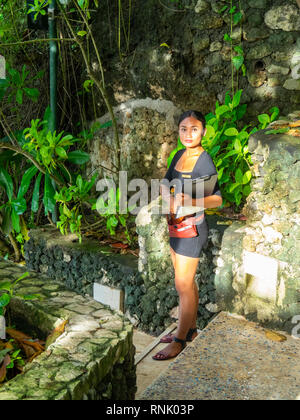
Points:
(147, 370)
(231, 359)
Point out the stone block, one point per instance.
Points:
(109, 296)
(262, 275)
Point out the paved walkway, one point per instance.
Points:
(231, 359)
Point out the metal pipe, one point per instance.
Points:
(53, 65)
(53, 79)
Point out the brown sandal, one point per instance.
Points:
(168, 338)
(165, 357)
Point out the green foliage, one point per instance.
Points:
(173, 153)
(15, 206)
(50, 150)
(7, 291)
(228, 147)
(75, 194)
(111, 212)
(47, 147)
(237, 58)
(17, 84)
(39, 7)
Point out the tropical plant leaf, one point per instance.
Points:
(6, 183)
(26, 179)
(36, 193)
(78, 157)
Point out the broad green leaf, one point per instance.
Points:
(221, 110)
(170, 158)
(231, 132)
(227, 99)
(79, 182)
(26, 179)
(241, 111)
(15, 220)
(242, 135)
(36, 194)
(215, 150)
(275, 113)
(237, 17)
(233, 186)
(48, 199)
(67, 211)
(246, 190)
(19, 96)
(237, 98)
(238, 60)
(60, 151)
(227, 38)
(237, 196)
(6, 183)
(239, 176)
(210, 132)
(7, 222)
(32, 92)
(237, 145)
(246, 177)
(87, 84)
(231, 153)
(82, 33)
(78, 157)
(238, 49)
(220, 172)
(19, 205)
(5, 286)
(263, 119)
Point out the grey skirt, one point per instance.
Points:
(191, 247)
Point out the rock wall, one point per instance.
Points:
(151, 300)
(93, 359)
(258, 267)
(148, 133)
(155, 266)
(193, 68)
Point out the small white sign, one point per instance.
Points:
(265, 273)
(2, 67)
(109, 296)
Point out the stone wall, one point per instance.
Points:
(151, 300)
(93, 359)
(155, 266)
(148, 133)
(79, 266)
(193, 69)
(258, 266)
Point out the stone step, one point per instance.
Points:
(231, 359)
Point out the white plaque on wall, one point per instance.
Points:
(109, 296)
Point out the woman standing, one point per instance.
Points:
(189, 163)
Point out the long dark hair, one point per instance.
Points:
(195, 114)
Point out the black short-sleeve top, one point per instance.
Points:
(203, 166)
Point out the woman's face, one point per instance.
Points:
(191, 132)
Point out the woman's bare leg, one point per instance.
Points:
(185, 271)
